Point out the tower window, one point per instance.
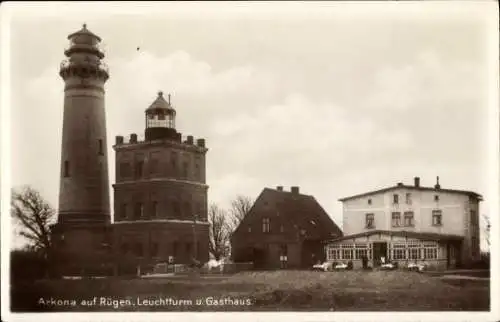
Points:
(123, 211)
(66, 168)
(138, 211)
(138, 169)
(154, 209)
(187, 210)
(101, 152)
(154, 250)
(185, 170)
(177, 210)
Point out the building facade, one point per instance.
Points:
(283, 229)
(410, 223)
(160, 194)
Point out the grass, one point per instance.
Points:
(267, 291)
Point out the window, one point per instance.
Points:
(197, 171)
(154, 209)
(124, 169)
(370, 221)
(138, 169)
(414, 253)
(249, 229)
(430, 253)
(177, 209)
(395, 199)
(66, 168)
(399, 253)
(473, 217)
(361, 250)
(173, 161)
(153, 166)
(138, 211)
(409, 219)
(185, 170)
(346, 253)
(282, 229)
(266, 225)
(437, 218)
(123, 211)
(154, 250)
(101, 152)
(369, 201)
(187, 210)
(161, 117)
(408, 198)
(333, 253)
(436, 198)
(175, 248)
(396, 219)
(284, 250)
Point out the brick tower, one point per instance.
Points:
(81, 236)
(84, 185)
(160, 195)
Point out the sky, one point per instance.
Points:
(336, 99)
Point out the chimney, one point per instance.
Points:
(133, 138)
(417, 182)
(189, 139)
(295, 190)
(400, 184)
(279, 188)
(118, 140)
(437, 186)
(200, 143)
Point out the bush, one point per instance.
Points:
(27, 266)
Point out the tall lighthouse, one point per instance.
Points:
(84, 182)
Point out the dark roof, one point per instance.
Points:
(160, 104)
(303, 211)
(470, 193)
(400, 233)
(84, 31)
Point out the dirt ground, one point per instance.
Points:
(258, 291)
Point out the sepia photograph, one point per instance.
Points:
(320, 160)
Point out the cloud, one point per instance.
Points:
(425, 79)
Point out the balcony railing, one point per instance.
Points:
(100, 65)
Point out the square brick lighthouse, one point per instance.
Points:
(160, 194)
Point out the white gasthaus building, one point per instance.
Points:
(409, 224)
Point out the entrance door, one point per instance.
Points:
(379, 252)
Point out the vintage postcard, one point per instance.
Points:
(275, 160)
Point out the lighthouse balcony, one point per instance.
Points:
(84, 68)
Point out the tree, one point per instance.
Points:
(240, 207)
(487, 228)
(219, 231)
(34, 216)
